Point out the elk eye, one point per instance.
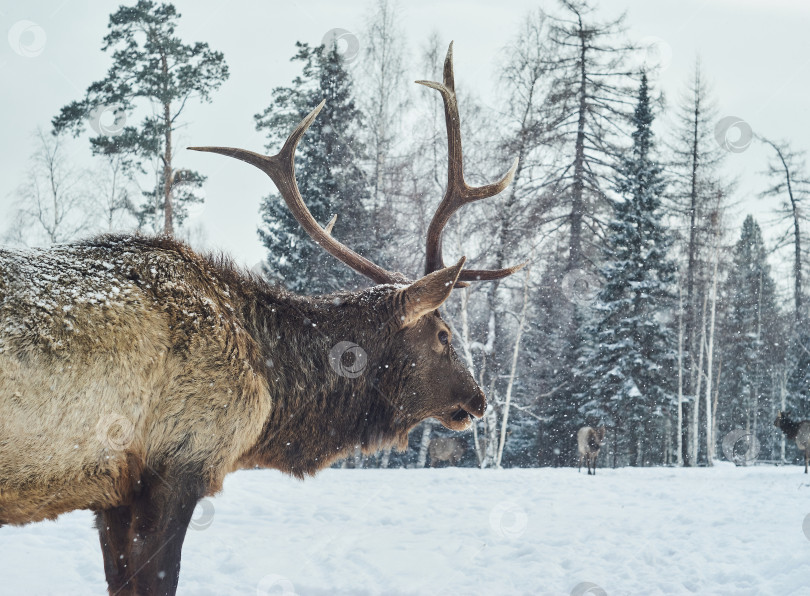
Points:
(444, 338)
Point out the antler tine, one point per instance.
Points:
(458, 192)
(281, 168)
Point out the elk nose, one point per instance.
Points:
(478, 404)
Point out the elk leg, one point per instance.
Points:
(114, 534)
(806, 455)
(160, 515)
(580, 464)
(595, 457)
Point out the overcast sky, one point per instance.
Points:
(756, 53)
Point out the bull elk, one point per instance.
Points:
(589, 440)
(798, 431)
(135, 373)
(447, 449)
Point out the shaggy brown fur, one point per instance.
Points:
(447, 449)
(798, 431)
(135, 374)
(589, 440)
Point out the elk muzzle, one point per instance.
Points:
(461, 416)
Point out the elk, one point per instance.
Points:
(588, 442)
(135, 373)
(797, 431)
(447, 449)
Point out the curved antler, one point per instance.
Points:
(281, 168)
(458, 192)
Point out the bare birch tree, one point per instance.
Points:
(53, 204)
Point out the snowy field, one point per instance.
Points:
(648, 531)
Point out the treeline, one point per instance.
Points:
(642, 306)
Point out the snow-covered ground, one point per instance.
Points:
(723, 530)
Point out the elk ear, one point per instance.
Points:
(426, 295)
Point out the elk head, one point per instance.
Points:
(440, 385)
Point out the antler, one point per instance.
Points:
(458, 192)
(281, 168)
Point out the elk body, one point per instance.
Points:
(798, 431)
(135, 373)
(447, 449)
(589, 440)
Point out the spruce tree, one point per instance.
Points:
(629, 358)
(328, 174)
(749, 331)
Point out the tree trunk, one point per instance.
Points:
(709, 367)
(577, 199)
(783, 399)
(696, 401)
(421, 460)
(168, 211)
(691, 267)
(679, 454)
(513, 369)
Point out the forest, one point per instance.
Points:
(651, 302)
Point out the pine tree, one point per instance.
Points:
(151, 65)
(749, 330)
(630, 354)
(327, 171)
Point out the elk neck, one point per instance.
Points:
(325, 403)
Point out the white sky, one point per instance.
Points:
(756, 53)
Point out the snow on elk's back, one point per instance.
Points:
(61, 292)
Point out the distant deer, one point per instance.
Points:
(797, 431)
(588, 442)
(135, 374)
(448, 449)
